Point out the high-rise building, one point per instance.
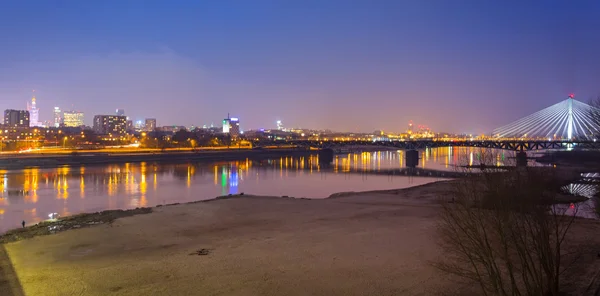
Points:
(231, 126)
(234, 130)
(58, 117)
(34, 112)
(72, 119)
(110, 125)
(226, 125)
(279, 125)
(150, 124)
(16, 118)
(120, 112)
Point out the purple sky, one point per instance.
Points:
(457, 66)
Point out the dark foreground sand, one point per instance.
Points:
(353, 244)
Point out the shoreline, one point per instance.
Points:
(85, 220)
(429, 191)
(99, 158)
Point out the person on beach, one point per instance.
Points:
(23, 223)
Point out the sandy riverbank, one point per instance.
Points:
(375, 243)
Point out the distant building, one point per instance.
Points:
(120, 112)
(110, 125)
(34, 112)
(58, 117)
(129, 125)
(279, 125)
(16, 118)
(234, 127)
(171, 128)
(226, 125)
(150, 124)
(139, 125)
(47, 123)
(231, 126)
(72, 119)
(209, 131)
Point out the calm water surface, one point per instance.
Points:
(71, 190)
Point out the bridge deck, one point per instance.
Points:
(516, 145)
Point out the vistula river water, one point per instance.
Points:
(34, 195)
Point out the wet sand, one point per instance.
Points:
(375, 243)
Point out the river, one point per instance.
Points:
(33, 195)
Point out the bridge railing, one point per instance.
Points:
(434, 143)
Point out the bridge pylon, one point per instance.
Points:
(411, 158)
(570, 118)
(326, 156)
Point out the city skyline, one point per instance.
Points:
(60, 118)
(468, 67)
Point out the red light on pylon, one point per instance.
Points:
(571, 96)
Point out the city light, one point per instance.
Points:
(565, 120)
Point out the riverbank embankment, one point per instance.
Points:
(89, 158)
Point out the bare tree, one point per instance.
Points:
(502, 231)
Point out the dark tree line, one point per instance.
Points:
(184, 138)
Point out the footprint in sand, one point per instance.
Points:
(201, 252)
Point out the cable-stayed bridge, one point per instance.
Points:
(569, 120)
(561, 125)
(565, 125)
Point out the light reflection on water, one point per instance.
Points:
(444, 158)
(33, 194)
(587, 186)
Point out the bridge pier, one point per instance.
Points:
(521, 159)
(412, 158)
(326, 156)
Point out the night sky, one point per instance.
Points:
(363, 65)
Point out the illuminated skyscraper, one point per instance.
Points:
(234, 126)
(72, 119)
(16, 118)
(120, 112)
(279, 125)
(110, 125)
(231, 125)
(58, 117)
(34, 112)
(226, 125)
